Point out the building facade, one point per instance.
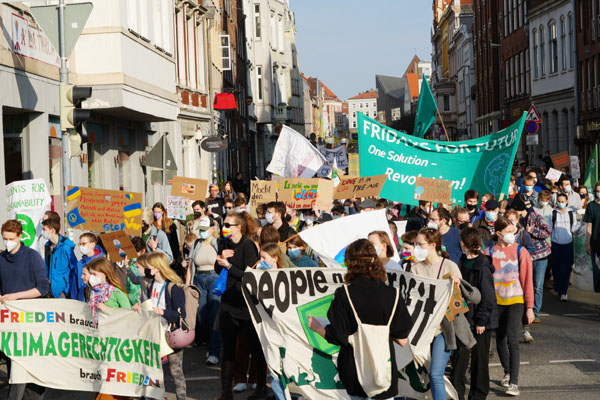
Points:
(365, 102)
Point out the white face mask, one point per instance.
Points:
(420, 253)
(309, 219)
(543, 204)
(508, 238)
(239, 209)
(46, 235)
(95, 281)
(432, 225)
(84, 250)
(567, 189)
(10, 245)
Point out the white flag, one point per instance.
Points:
(329, 240)
(294, 156)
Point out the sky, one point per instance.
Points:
(345, 43)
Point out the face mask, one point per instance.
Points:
(309, 219)
(463, 226)
(347, 210)
(95, 281)
(10, 245)
(269, 218)
(335, 216)
(598, 195)
(157, 215)
(543, 203)
(294, 253)
(567, 189)
(528, 188)
(240, 209)
(509, 238)
(514, 224)
(420, 254)
(148, 274)
(432, 225)
(583, 195)
(197, 214)
(591, 197)
(264, 265)
(84, 250)
(471, 207)
(562, 205)
(518, 175)
(490, 216)
(46, 235)
(226, 232)
(408, 256)
(204, 234)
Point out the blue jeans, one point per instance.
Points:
(595, 272)
(539, 272)
(208, 307)
(439, 360)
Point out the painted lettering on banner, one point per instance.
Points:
(354, 186)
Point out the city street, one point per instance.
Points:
(563, 361)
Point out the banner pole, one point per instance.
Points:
(444, 126)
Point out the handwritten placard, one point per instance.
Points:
(355, 186)
(176, 207)
(561, 160)
(102, 210)
(434, 190)
(262, 192)
(299, 193)
(190, 188)
(553, 175)
(118, 246)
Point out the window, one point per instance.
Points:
(259, 82)
(563, 43)
(535, 53)
(521, 16)
(505, 18)
(257, 31)
(506, 81)
(571, 42)
(225, 53)
(542, 53)
(361, 104)
(446, 102)
(553, 47)
(510, 15)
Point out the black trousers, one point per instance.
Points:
(480, 373)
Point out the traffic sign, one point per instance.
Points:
(532, 115)
(532, 127)
(532, 140)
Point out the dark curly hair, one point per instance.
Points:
(361, 260)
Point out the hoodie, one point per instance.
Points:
(60, 264)
(480, 276)
(22, 271)
(76, 285)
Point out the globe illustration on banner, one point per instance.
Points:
(496, 172)
(29, 230)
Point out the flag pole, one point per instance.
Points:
(444, 126)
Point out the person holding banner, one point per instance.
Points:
(433, 262)
(60, 258)
(365, 301)
(89, 249)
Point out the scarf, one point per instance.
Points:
(99, 294)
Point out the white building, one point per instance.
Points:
(365, 102)
(553, 67)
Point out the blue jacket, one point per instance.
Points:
(22, 271)
(76, 285)
(62, 261)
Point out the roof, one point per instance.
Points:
(392, 86)
(327, 93)
(371, 94)
(413, 85)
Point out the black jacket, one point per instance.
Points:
(174, 301)
(480, 276)
(285, 232)
(416, 221)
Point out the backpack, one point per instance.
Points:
(555, 213)
(192, 298)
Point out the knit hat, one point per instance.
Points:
(519, 203)
(491, 204)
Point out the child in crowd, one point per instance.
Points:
(295, 251)
(408, 246)
(271, 257)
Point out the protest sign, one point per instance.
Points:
(561, 160)
(280, 302)
(27, 201)
(338, 155)
(262, 192)
(575, 168)
(299, 193)
(101, 210)
(190, 188)
(56, 343)
(329, 241)
(553, 175)
(294, 156)
(353, 165)
(433, 190)
(176, 207)
(118, 246)
(353, 186)
(482, 164)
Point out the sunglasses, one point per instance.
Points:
(228, 225)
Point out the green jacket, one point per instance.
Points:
(118, 299)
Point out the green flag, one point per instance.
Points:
(426, 111)
(591, 170)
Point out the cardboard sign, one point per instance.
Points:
(457, 304)
(353, 165)
(561, 160)
(299, 193)
(553, 175)
(193, 189)
(354, 186)
(176, 207)
(118, 245)
(434, 190)
(101, 210)
(262, 192)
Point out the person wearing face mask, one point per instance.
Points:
(155, 239)
(89, 249)
(169, 227)
(564, 223)
(460, 216)
(471, 200)
(592, 235)
(275, 216)
(528, 190)
(106, 289)
(199, 208)
(433, 262)
(22, 276)
(338, 211)
(585, 196)
(544, 209)
(60, 259)
(513, 282)
(41, 242)
(239, 204)
(408, 248)
(384, 249)
(214, 203)
(201, 272)
(271, 257)
(309, 219)
(487, 223)
(440, 220)
(295, 251)
(574, 200)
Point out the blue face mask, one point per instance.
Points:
(562, 205)
(264, 265)
(528, 188)
(294, 253)
(491, 216)
(347, 210)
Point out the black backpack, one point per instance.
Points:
(571, 218)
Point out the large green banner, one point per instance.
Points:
(482, 164)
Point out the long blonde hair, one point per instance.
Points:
(161, 262)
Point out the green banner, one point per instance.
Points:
(482, 164)
(591, 170)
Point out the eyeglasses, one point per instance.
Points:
(228, 225)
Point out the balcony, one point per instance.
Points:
(282, 113)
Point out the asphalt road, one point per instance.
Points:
(562, 362)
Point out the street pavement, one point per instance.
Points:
(562, 362)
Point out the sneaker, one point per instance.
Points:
(537, 320)
(513, 390)
(505, 381)
(563, 297)
(527, 338)
(240, 387)
(212, 360)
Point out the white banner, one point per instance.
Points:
(329, 240)
(281, 300)
(30, 41)
(339, 154)
(294, 156)
(27, 201)
(55, 343)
